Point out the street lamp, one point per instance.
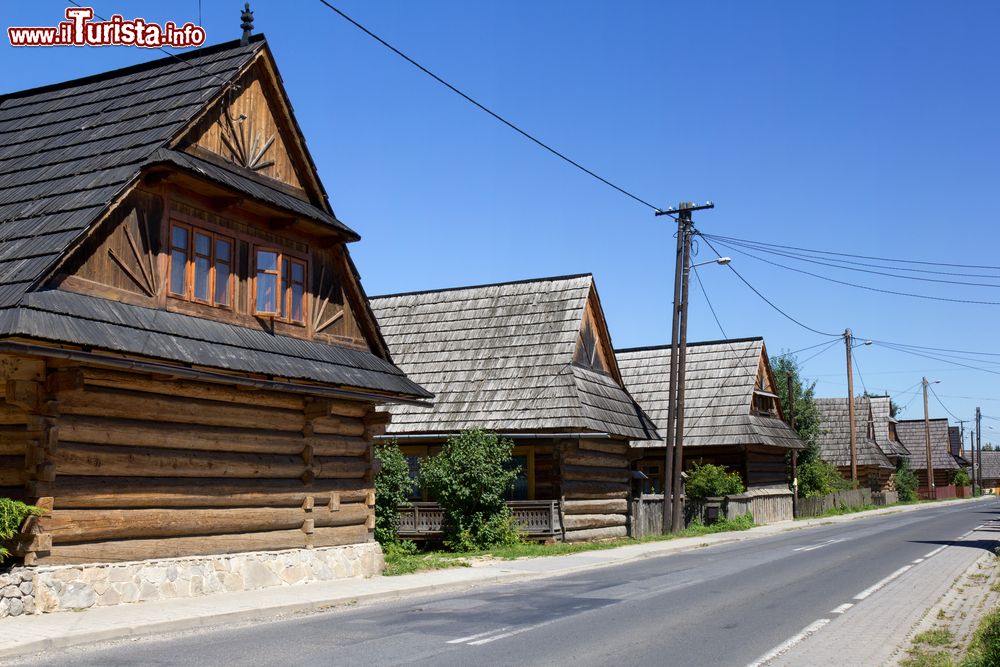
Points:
(722, 261)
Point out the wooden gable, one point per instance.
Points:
(593, 342)
(765, 400)
(251, 127)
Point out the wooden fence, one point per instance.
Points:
(646, 515)
(823, 504)
(535, 519)
(885, 498)
(764, 505)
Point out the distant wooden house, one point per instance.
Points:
(733, 417)
(991, 470)
(874, 467)
(532, 361)
(885, 429)
(187, 358)
(944, 463)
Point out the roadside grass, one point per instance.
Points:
(407, 560)
(935, 637)
(921, 657)
(985, 648)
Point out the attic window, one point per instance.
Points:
(280, 286)
(201, 265)
(763, 402)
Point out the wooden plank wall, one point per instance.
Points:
(20, 425)
(766, 467)
(149, 467)
(595, 489)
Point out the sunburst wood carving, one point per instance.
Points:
(327, 312)
(246, 147)
(137, 264)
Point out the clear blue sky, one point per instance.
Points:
(854, 126)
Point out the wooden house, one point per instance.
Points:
(733, 417)
(945, 465)
(991, 470)
(885, 429)
(532, 361)
(875, 469)
(187, 358)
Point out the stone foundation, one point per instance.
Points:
(77, 587)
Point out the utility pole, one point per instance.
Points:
(979, 447)
(795, 453)
(927, 442)
(850, 407)
(673, 521)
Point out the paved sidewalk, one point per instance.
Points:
(24, 635)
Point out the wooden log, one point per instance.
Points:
(101, 402)
(12, 414)
(25, 394)
(605, 446)
(339, 426)
(15, 443)
(573, 490)
(71, 526)
(109, 431)
(580, 457)
(20, 368)
(191, 389)
(596, 534)
(121, 492)
(339, 536)
(586, 474)
(325, 407)
(125, 550)
(96, 460)
(592, 521)
(616, 506)
(11, 470)
(340, 467)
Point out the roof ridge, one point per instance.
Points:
(649, 348)
(130, 69)
(523, 281)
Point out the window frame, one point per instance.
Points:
(283, 292)
(189, 265)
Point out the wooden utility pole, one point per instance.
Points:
(848, 343)
(927, 442)
(979, 447)
(795, 453)
(673, 521)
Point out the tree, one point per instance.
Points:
(807, 422)
(469, 478)
(906, 481)
(392, 488)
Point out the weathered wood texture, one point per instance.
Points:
(156, 467)
(595, 483)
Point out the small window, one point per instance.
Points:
(200, 265)
(280, 286)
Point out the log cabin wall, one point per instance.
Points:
(23, 429)
(595, 489)
(150, 467)
(766, 468)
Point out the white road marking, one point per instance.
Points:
(810, 629)
(874, 587)
(918, 560)
(936, 551)
(462, 640)
(512, 633)
(820, 545)
(842, 608)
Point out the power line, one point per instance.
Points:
(941, 403)
(811, 357)
(484, 108)
(764, 298)
(857, 285)
(788, 354)
(927, 356)
(881, 259)
(857, 367)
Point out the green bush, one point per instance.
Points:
(906, 482)
(819, 478)
(469, 478)
(961, 478)
(706, 481)
(392, 488)
(12, 515)
(985, 648)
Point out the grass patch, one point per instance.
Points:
(985, 648)
(407, 560)
(935, 637)
(919, 657)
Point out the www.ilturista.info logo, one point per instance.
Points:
(81, 30)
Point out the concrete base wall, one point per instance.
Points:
(77, 587)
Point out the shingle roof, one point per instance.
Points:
(501, 357)
(991, 465)
(719, 385)
(911, 432)
(68, 150)
(955, 440)
(835, 436)
(882, 414)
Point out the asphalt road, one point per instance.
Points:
(722, 605)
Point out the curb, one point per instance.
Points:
(276, 612)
